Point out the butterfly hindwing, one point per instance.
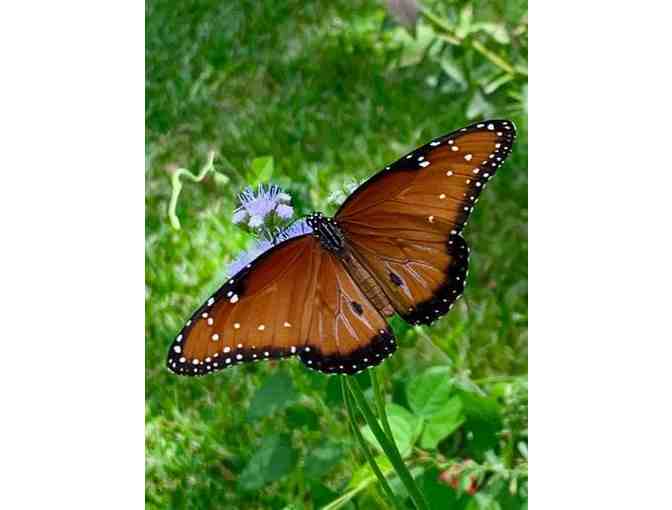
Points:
(347, 332)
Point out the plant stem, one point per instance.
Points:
(380, 401)
(177, 186)
(347, 398)
(388, 447)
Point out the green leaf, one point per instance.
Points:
(441, 496)
(497, 82)
(465, 22)
(273, 460)
(442, 424)
(479, 107)
(276, 393)
(405, 428)
(454, 72)
(320, 494)
(495, 30)
(429, 392)
(322, 459)
(221, 179)
(361, 479)
(364, 475)
(261, 170)
(482, 501)
(300, 416)
(482, 424)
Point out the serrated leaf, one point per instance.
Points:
(273, 460)
(405, 428)
(429, 392)
(276, 393)
(442, 424)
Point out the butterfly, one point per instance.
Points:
(394, 247)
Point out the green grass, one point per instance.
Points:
(321, 87)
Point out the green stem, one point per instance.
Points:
(493, 57)
(347, 398)
(388, 447)
(177, 186)
(380, 401)
(498, 378)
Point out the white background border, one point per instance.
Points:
(72, 156)
(72, 342)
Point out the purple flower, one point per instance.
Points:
(284, 211)
(240, 215)
(259, 207)
(256, 221)
(266, 212)
(261, 246)
(296, 229)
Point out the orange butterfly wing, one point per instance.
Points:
(404, 223)
(296, 299)
(347, 332)
(260, 313)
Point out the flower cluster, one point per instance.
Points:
(263, 207)
(267, 214)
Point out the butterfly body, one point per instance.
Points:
(394, 246)
(332, 238)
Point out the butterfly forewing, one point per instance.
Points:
(260, 313)
(404, 223)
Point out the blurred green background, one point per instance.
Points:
(332, 91)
